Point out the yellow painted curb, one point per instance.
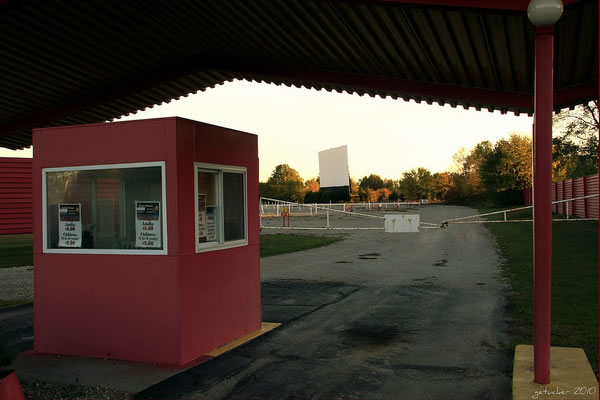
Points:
(571, 376)
(264, 328)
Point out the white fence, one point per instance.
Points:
(274, 208)
(275, 214)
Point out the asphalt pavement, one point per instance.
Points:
(374, 316)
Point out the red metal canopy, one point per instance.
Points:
(83, 62)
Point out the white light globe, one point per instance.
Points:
(544, 12)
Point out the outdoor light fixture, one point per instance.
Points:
(544, 12)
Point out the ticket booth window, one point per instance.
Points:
(221, 210)
(114, 209)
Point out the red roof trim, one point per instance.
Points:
(479, 98)
(573, 95)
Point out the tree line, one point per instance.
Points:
(489, 173)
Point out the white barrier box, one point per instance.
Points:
(401, 223)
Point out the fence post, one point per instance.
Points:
(585, 201)
(563, 196)
(555, 197)
(573, 195)
(567, 205)
(327, 219)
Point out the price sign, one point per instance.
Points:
(147, 224)
(211, 224)
(202, 217)
(69, 225)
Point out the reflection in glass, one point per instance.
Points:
(107, 198)
(233, 206)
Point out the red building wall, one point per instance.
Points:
(168, 309)
(16, 193)
(209, 280)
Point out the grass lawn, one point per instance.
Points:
(574, 282)
(272, 245)
(16, 250)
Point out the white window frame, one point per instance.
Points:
(164, 235)
(220, 244)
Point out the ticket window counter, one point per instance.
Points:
(146, 239)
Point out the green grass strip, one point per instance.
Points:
(574, 282)
(16, 250)
(275, 244)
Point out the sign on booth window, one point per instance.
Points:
(69, 225)
(147, 224)
(202, 217)
(211, 224)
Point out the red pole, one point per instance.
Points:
(542, 201)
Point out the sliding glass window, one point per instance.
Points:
(221, 207)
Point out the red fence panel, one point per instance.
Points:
(568, 194)
(16, 198)
(578, 191)
(560, 196)
(569, 189)
(592, 203)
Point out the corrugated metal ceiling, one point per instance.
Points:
(83, 62)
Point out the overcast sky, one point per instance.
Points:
(384, 136)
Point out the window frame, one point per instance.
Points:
(149, 252)
(220, 244)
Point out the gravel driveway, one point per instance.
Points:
(16, 283)
(459, 256)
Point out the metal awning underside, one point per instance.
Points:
(65, 63)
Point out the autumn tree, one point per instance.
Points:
(468, 186)
(442, 183)
(416, 184)
(354, 195)
(312, 185)
(508, 165)
(575, 142)
(372, 181)
(285, 183)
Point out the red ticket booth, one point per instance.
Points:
(146, 239)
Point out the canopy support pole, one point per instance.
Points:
(542, 200)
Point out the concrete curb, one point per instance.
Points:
(571, 376)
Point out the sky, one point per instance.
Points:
(384, 136)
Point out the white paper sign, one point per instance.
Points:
(69, 225)
(147, 224)
(202, 216)
(211, 224)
